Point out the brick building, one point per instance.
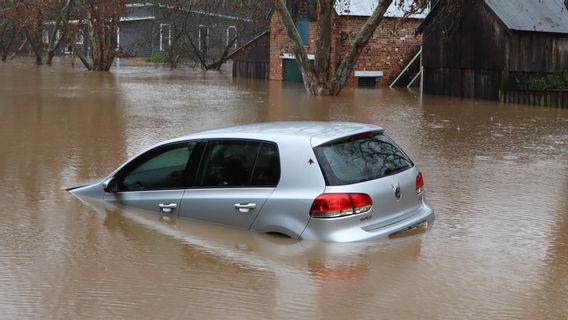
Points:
(393, 44)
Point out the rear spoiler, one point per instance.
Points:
(354, 136)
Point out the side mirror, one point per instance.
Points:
(110, 185)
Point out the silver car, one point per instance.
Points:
(332, 181)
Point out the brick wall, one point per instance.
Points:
(279, 45)
(390, 48)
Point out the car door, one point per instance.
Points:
(156, 180)
(234, 180)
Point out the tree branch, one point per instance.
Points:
(348, 62)
(84, 60)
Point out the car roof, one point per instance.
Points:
(318, 132)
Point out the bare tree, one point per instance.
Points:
(26, 18)
(207, 32)
(43, 23)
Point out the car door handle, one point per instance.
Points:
(167, 208)
(245, 207)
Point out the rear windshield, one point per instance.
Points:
(360, 158)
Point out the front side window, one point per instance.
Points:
(361, 158)
(239, 164)
(163, 168)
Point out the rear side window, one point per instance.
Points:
(360, 158)
(228, 163)
(267, 169)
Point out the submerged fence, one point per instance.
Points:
(549, 98)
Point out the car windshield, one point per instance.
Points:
(360, 158)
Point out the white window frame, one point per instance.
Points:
(45, 36)
(169, 26)
(229, 33)
(117, 38)
(201, 26)
(80, 39)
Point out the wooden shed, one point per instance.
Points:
(251, 60)
(491, 45)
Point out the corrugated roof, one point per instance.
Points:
(365, 8)
(532, 15)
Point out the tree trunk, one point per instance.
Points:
(35, 45)
(322, 65)
(77, 52)
(103, 45)
(54, 43)
(60, 25)
(20, 48)
(9, 44)
(310, 83)
(34, 37)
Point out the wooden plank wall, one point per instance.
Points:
(465, 56)
(466, 83)
(250, 69)
(554, 99)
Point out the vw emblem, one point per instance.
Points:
(397, 192)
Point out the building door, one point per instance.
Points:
(291, 71)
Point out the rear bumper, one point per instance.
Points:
(327, 230)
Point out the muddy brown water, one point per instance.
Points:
(496, 175)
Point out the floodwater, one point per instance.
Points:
(496, 175)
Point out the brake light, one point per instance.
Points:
(419, 183)
(333, 205)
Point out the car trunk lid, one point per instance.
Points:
(372, 164)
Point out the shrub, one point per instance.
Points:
(161, 57)
(553, 81)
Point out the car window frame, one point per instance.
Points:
(197, 184)
(189, 171)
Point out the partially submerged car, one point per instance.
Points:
(331, 181)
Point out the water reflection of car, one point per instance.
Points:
(332, 181)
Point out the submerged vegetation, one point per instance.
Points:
(553, 81)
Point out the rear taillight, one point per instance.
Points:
(419, 183)
(333, 205)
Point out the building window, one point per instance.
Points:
(165, 36)
(303, 26)
(45, 36)
(203, 38)
(232, 34)
(79, 39)
(367, 82)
